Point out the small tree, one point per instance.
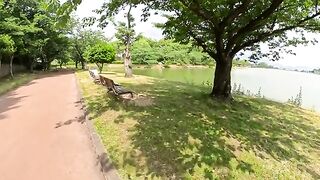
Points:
(101, 53)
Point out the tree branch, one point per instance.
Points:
(202, 43)
(255, 23)
(204, 14)
(128, 36)
(234, 13)
(266, 35)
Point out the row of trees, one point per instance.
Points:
(148, 51)
(28, 34)
(316, 71)
(31, 35)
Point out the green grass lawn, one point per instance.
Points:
(183, 134)
(7, 84)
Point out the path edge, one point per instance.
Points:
(105, 164)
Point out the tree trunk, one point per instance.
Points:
(100, 67)
(11, 66)
(127, 63)
(31, 65)
(83, 65)
(222, 79)
(48, 65)
(80, 56)
(0, 61)
(76, 64)
(127, 54)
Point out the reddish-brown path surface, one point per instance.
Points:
(42, 134)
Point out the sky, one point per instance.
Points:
(307, 57)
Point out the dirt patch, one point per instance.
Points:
(139, 100)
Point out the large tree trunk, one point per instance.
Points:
(11, 66)
(222, 78)
(127, 63)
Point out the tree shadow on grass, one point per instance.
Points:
(185, 129)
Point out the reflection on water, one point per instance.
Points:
(275, 84)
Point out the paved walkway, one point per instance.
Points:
(42, 135)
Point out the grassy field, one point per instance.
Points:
(7, 84)
(174, 131)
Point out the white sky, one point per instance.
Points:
(306, 58)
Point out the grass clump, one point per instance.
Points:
(185, 134)
(7, 83)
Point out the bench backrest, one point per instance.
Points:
(94, 74)
(107, 82)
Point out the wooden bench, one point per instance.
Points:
(94, 75)
(113, 87)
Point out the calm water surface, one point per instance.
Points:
(275, 84)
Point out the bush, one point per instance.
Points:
(297, 101)
(100, 54)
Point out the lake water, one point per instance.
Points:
(278, 85)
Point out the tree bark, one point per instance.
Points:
(76, 64)
(127, 63)
(222, 78)
(11, 66)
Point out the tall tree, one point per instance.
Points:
(125, 33)
(225, 28)
(125, 30)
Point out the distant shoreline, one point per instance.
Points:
(157, 66)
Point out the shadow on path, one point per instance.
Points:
(9, 100)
